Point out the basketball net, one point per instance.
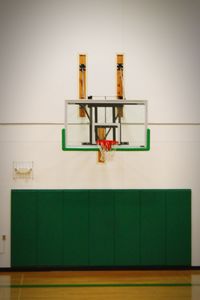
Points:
(105, 148)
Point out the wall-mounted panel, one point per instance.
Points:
(152, 226)
(127, 230)
(76, 228)
(178, 227)
(101, 228)
(50, 228)
(24, 228)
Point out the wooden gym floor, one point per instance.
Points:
(104, 285)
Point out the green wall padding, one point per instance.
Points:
(152, 228)
(50, 228)
(76, 228)
(24, 228)
(178, 228)
(127, 228)
(100, 228)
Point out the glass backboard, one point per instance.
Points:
(124, 121)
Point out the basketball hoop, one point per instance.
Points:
(105, 146)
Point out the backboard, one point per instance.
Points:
(124, 121)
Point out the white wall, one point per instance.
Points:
(39, 45)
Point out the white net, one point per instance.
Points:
(106, 149)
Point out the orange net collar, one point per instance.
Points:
(106, 144)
